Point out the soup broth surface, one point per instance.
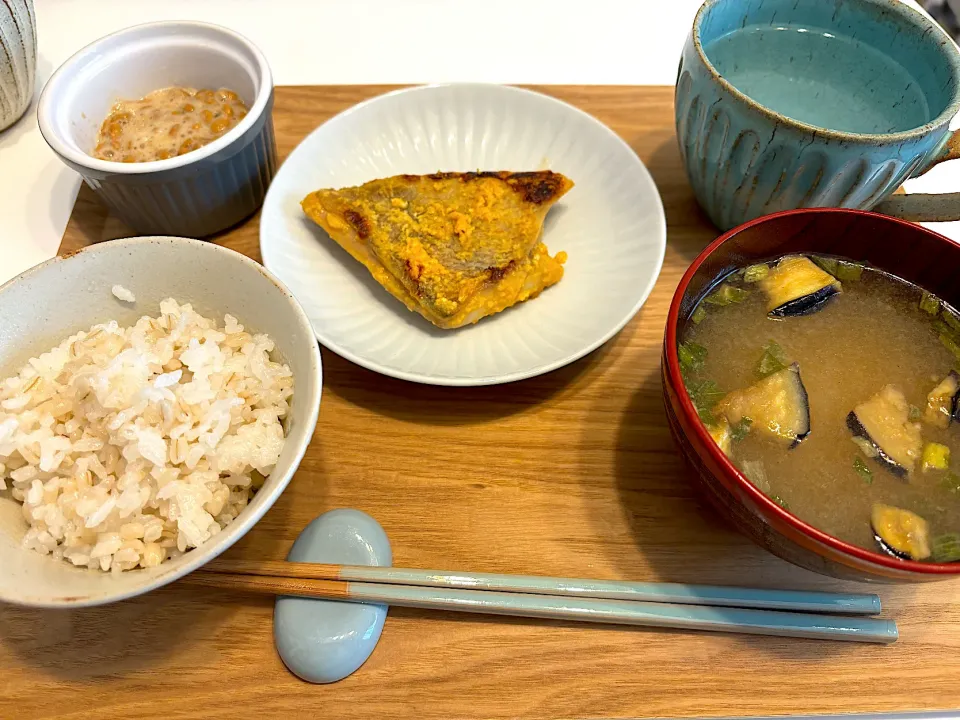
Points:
(872, 334)
(818, 77)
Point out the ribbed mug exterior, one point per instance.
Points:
(18, 59)
(745, 160)
(743, 164)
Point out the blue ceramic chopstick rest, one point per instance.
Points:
(323, 641)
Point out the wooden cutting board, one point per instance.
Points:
(573, 473)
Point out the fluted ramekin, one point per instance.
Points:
(196, 194)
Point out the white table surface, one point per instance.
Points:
(629, 42)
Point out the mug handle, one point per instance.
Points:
(925, 207)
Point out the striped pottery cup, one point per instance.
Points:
(18, 59)
(783, 104)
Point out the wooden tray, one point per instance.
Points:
(573, 473)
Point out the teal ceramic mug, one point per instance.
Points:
(784, 104)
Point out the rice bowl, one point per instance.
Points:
(215, 282)
(128, 446)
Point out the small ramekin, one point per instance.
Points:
(196, 194)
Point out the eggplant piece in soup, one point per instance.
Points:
(777, 406)
(900, 532)
(720, 432)
(883, 422)
(943, 402)
(796, 286)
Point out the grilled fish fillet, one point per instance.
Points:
(454, 247)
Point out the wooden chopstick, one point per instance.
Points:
(581, 609)
(709, 595)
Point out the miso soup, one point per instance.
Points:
(834, 388)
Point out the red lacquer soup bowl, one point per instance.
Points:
(909, 251)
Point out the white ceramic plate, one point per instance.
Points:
(611, 224)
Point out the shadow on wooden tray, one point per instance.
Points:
(689, 230)
(436, 405)
(91, 223)
(137, 634)
(121, 639)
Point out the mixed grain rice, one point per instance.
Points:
(129, 446)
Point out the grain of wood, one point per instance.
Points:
(570, 474)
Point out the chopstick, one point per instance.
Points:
(711, 595)
(583, 609)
